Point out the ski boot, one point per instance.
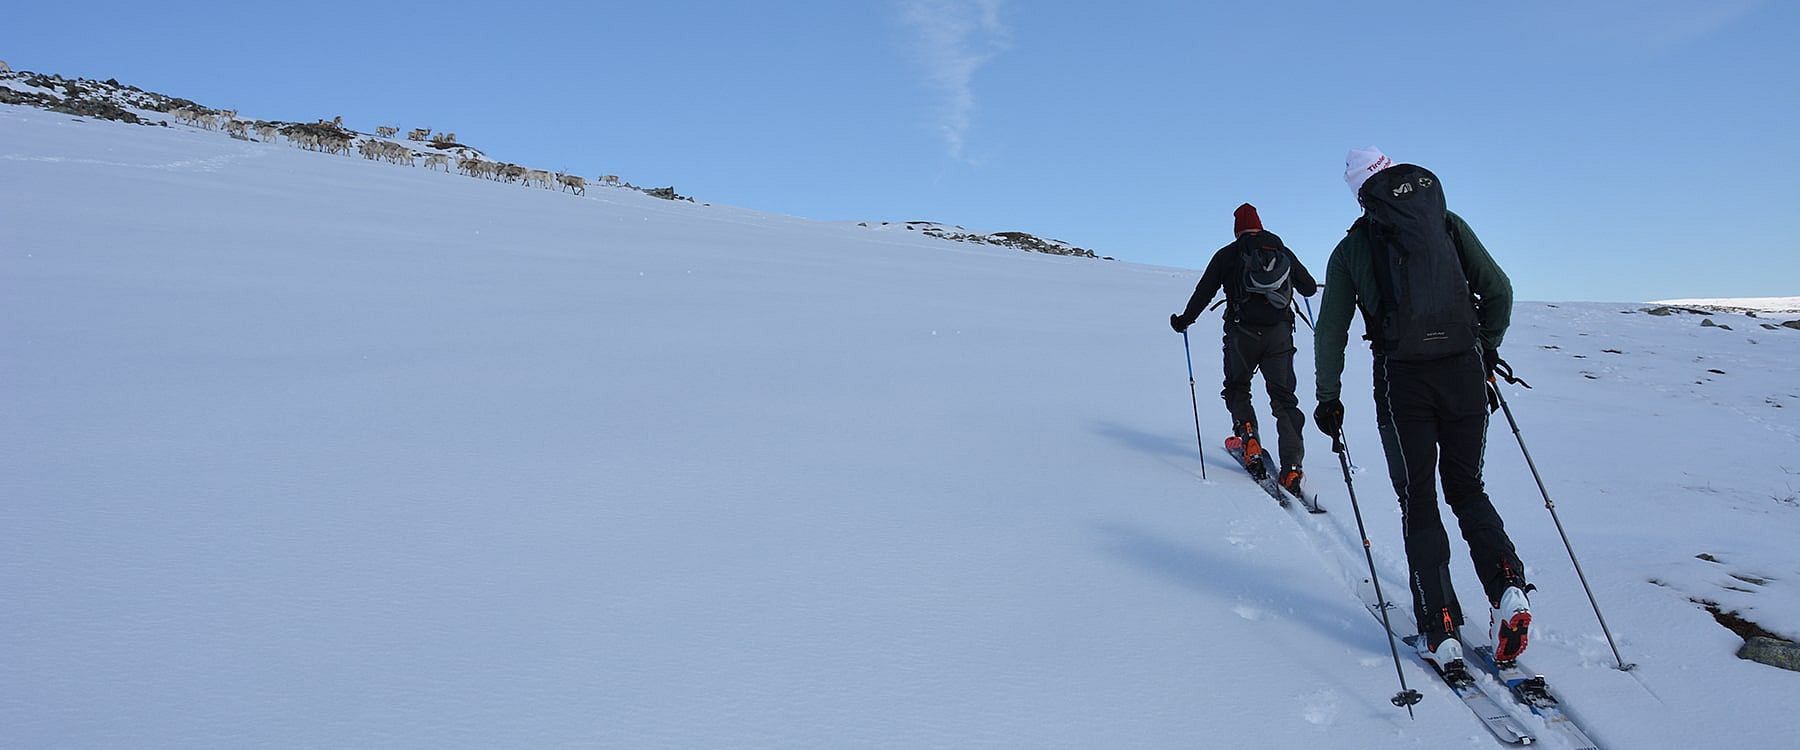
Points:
(1247, 448)
(1289, 479)
(1509, 622)
(1440, 646)
(1446, 656)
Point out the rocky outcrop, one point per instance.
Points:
(665, 193)
(81, 97)
(1014, 240)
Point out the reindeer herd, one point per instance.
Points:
(329, 136)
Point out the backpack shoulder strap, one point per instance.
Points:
(1382, 259)
(1234, 283)
(1462, 258)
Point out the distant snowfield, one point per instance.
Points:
(310, 451)
(1758, 304)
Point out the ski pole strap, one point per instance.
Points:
(1505, 372)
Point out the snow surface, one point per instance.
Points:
(301, 450)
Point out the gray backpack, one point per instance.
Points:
(1267, 281)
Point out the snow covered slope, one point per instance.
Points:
(302, 450)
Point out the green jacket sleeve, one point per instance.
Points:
(1331, 332)
(1491, 286)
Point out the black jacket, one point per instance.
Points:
(1227, 271)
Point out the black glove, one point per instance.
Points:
(1176, 323)
(1329, 416)
(1490, 359)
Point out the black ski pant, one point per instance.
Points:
(1434, 414)
(1271, 349)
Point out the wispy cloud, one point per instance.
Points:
(1666, 24)
(1653, 25)
(953, 39)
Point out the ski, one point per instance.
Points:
(1266, 481)
(1310, 503)
(1274, 488)
(1533, 692)
(1494, 716)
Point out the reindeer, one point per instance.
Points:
(418, 134)
(267, 132)
(386, 131)
(572, 182)
(433, 160)
(609, 179)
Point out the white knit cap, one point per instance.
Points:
(1361, 163)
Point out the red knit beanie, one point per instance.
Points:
(1245, 219)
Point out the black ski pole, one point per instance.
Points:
(1551, 506)
(1198, 439)
(1308, 315)
(1407, 697)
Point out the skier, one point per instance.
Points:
(1259, 275)
(1436, 307)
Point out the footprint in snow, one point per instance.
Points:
(1321, 707)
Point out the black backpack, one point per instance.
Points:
(1426, 310)
(1267, 281)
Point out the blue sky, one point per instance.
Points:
(1603, 149)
